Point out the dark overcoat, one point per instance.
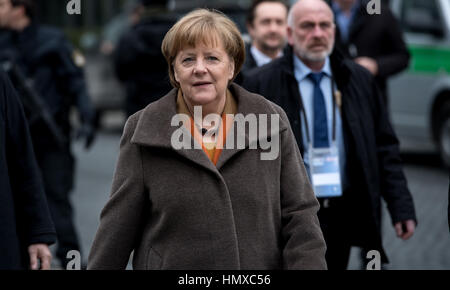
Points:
(140, 64)
(374, 167)
(24, 215)
(177, 210)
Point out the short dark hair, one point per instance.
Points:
(29, 5)
(255, 4)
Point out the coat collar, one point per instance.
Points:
(154, 127)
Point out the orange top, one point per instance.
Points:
(211, 149)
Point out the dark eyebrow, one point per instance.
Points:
(307, 22)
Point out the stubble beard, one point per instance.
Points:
(272, 48)
(314, 56)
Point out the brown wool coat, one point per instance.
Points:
(177, 210)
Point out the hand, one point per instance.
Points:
(369, 63)
(40, 252)
(405, 229)
(87, 132)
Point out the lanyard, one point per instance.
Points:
(303, 111)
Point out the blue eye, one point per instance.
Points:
(212, 58)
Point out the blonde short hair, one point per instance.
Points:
(203, 26)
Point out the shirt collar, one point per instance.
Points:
(302, 71)
(260, 58)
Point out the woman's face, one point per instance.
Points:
(203, 73)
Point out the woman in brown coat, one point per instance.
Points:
(193, 188)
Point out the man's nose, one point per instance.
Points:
(273, 27)
(317, 31)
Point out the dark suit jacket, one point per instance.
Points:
(140, 64)
(373, 160)
(249, 59)
(249, 63)
(24, 215)
(380, 37)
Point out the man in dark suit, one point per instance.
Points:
(26, 228)
(266, 24)
(334, 106)
(373, 41)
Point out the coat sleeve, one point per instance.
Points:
(304, 245)
(394, 188)
(34, 223)
(120, 220)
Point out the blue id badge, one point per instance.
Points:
(325, 172)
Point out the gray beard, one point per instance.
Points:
(314, 57)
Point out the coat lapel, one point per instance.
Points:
(244, 108)
(154, 129)
(248, 104)
(227, 153)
